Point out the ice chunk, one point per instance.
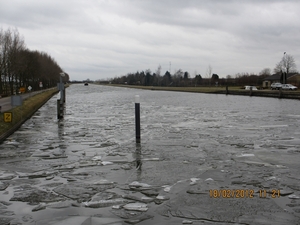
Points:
(141, 207)
(294, 197)
(194, 181)
(136, 184)
(104, 163)
(103, 181)
(96, 158)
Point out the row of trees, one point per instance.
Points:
(182, 79)
(21, 67)
(179, 78)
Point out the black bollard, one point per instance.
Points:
(137, 119)
(58, 108)
(64, 94)
(280, 93)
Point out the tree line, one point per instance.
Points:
(181, 79)
(21, 67)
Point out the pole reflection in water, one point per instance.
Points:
(61, 132)
(138, 154)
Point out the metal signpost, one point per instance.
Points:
(16, 100)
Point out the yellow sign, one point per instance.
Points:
(7, 117)
(22, 89)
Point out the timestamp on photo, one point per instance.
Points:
(231, 193)
(244, 193)
(272, 193)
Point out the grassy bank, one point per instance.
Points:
(232, 90)
(21, 113)
(183, 89)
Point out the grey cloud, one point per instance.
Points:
(109, 38)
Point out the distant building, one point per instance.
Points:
(292, 78)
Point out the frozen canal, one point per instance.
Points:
(203, 159)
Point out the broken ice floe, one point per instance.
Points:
(104, 203)
(246, 155)
(105, 163)
(293, 197)
(194, 181)
(136, 207)
(103, 181)
(136, 184)
(96, 158)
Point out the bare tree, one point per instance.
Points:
(287, 65)
(20, 67)
(265, 71)
(209, 72)
(158, 71)
(158, 77)
(177, 77)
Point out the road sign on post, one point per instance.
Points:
(16, 100)
(22, 89)
(7, 117)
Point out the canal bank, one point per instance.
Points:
(284, 94)
(22, 113)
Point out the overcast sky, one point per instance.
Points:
(100, 39)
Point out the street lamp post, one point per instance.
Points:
(285, 69)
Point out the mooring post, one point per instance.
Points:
(280, 93)
(58, 108)
(226, 89)
(61, 110)
(62, 93)
(64, 100)
(137, 119)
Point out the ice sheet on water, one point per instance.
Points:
(246, 155)
(96, 158)
(142, 207)
(136, 184)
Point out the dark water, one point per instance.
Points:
(252, 142)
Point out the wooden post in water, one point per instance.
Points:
(64, 95)
(280, 93)
(138, 156)
(58, 108)
(137, 119)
